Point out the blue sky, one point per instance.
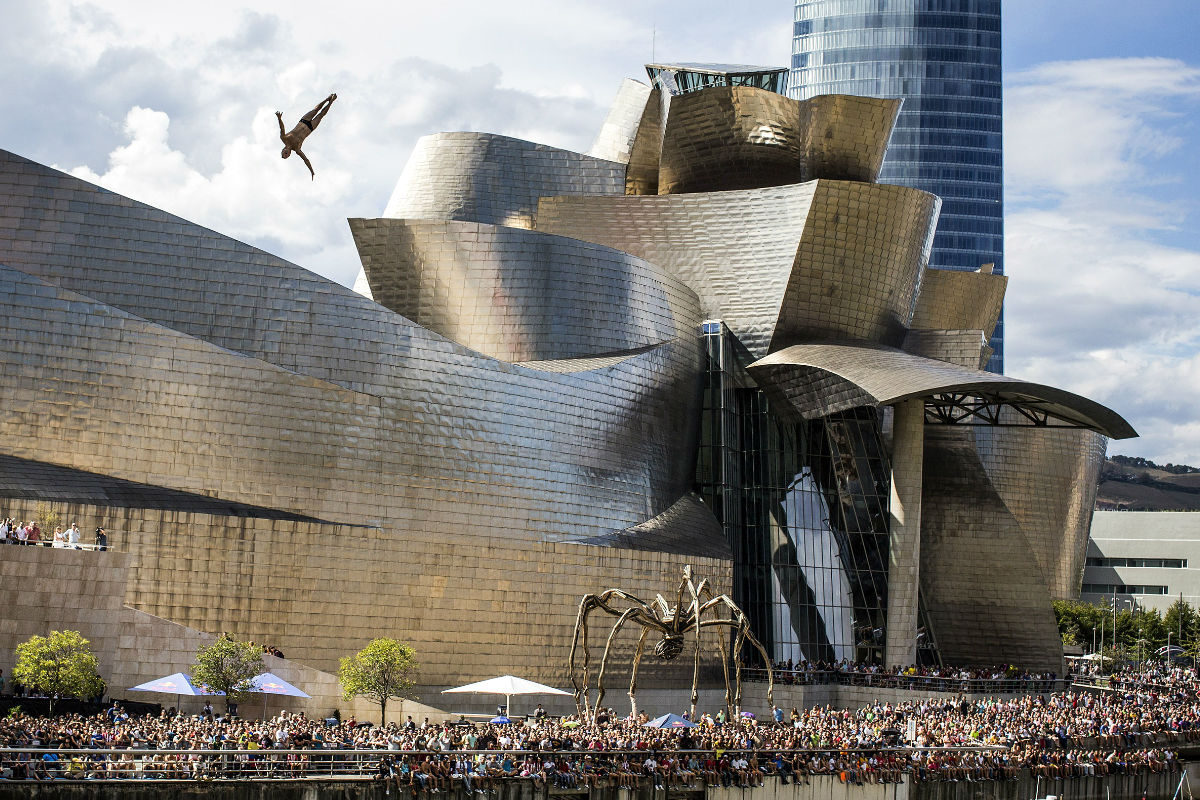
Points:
(173, 104)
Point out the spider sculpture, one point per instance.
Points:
(696, 608)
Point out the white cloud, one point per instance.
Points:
(1105, 291)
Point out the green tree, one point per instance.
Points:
(380, 671)
(59, 665)
(1181, 622)
(227, 665)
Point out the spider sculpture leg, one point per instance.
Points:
(581, 692)
(637, 662)
(621, 620)
(587, 605)
(739, 622)
(695, 619)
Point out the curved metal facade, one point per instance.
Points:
(831, 259)
(959, 301)
(981, 581)
(498, 180)
(1048, 481)
(730, 137)
(864, 374)
(615, 140)
(520, 295)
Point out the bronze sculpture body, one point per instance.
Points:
(293, 139)
(674, 623)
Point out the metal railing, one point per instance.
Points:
(60, 545)
(570, 767)
(924, 683)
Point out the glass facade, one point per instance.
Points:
(684, 78)
(805, 508)
(943, 58)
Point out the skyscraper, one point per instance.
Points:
(943, 58)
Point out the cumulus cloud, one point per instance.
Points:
(1105, 289)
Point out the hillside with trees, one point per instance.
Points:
(1129, 483)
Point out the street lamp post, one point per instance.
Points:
(1169, 633)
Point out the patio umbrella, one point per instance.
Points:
(500, 720)
(269, 683)
(670, 721)
(177, 684)
(506, 685)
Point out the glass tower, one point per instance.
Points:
(943, 58)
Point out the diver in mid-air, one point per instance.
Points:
(308, 123)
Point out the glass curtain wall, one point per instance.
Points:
(943, 58)
(804, 505)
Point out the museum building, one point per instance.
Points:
(712, 340)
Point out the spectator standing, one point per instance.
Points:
(60, 539)
(73, 536)
(5, 529)
(101, 540)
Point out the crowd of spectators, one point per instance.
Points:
(30, 533)
(1062, 735)
(1005, 678)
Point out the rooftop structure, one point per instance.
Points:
(684, 77)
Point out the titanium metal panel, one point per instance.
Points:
(952, 300)
(484, 177)
(844, 137)
(832, 259)
(687, 527)
(615, 140)
(741, 137)
(964, 348)
(520, 295)
(467, 473)
(641, 176)
(1048, 481)
(858, 265)
(730, 137)
(981, 581)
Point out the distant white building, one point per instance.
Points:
(1149, 557)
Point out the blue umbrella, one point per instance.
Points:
(179, 683)
(268, 683)
(501, 720)
(670, 721)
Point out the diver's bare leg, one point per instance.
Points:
(321, 110)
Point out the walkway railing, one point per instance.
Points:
(922, 683)
(39, 764)
(58, 545)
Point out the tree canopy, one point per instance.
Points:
(227, 665)
(59, 665)
(380, 671)
(1139, 632)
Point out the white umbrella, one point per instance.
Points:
(507, 685)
